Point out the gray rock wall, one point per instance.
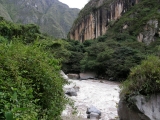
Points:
(143, 108)
(151, 28)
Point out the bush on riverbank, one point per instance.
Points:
(31, 87)
(144, 79)
(30, 83)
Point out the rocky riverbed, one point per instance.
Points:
(104, 95)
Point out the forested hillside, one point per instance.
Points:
(53, 17)
(121, 42)
(126, 42)
(30, 82)
(30, 61)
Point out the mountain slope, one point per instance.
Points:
(53, 17)
(136, 17)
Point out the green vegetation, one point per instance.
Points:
(137, 17)
(31, 86)
(143, 79)
(115, 53)
(112, 58)
(27, 33)
(53, 18)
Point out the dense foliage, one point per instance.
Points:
(27, 33)
(113, 54)
(108, 56)
(111, 58)
(137, 17)
(31, 87)
(53, 18)
(144, 79)
(30, 83)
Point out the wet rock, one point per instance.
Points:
(71, 92)
(93, 113)
(87, 75)
(64, 76)
(93, 116)
(73, 76)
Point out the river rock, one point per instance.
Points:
(87, 75)
(93, 113)
(93, 116)
(64, 76)
(73, 76)
(71, 92)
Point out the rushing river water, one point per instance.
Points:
(104, 95)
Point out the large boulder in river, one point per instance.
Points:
(73, 76)
(93, 116)
(142, 108)
(72, 91)
(93, 113)
(87, 75)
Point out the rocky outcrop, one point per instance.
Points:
(150, 30)
(93, 113)
(87, 75)
(73, 76)
(143, 108)
(94, 24)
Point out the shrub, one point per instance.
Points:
(31, 87)
(143, 79)
(112, 58)
(26, 33)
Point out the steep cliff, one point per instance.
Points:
(94, 19)
(140, 93)
(53, 17)
(100, 16)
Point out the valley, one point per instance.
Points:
(116, 41)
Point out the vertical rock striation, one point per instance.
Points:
(145, 108)
(94, 24)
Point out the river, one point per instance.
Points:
(104, 95)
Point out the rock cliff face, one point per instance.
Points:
(146, 108)
(149, 31)
(53, 17)
(102, 12)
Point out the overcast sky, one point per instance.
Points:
(75, 3)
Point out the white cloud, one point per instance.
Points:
(75, 3)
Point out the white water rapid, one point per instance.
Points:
(104, 95)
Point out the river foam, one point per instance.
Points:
(104, 95)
